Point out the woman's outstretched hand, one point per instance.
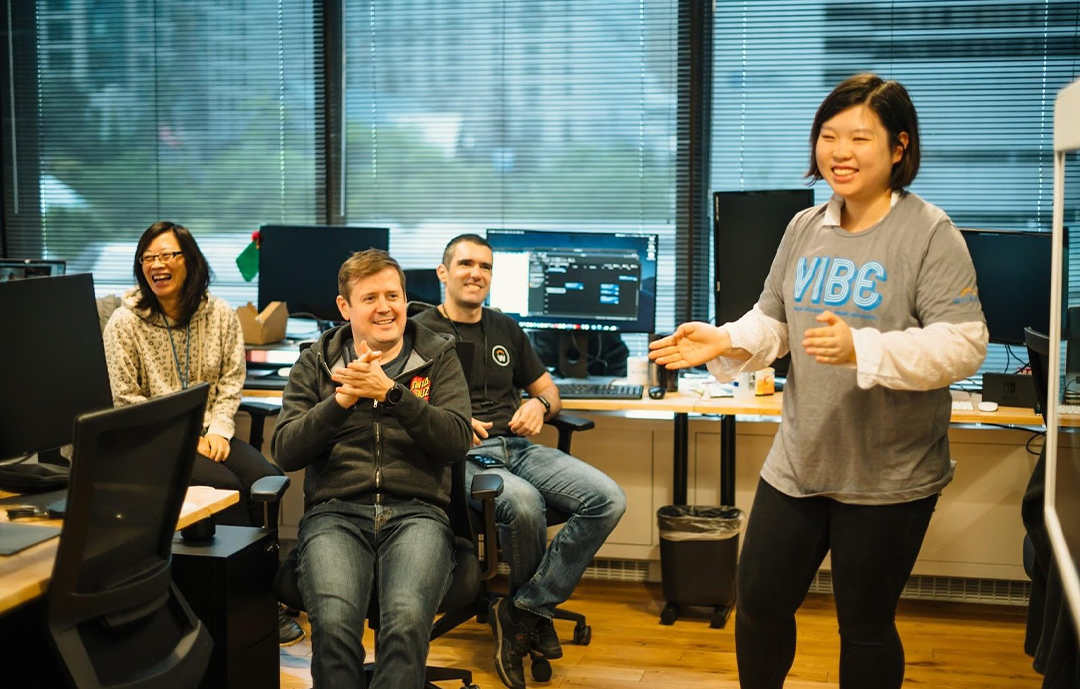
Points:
(692, 344)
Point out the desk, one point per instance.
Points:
(25, 576)
(770, 405)
(682, 404)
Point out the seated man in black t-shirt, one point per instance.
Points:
(534, 476)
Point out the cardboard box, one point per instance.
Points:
(266, 327)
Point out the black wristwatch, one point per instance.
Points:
(543, 401)
(394, 395)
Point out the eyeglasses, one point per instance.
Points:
(164, 257)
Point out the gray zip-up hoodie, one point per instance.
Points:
(405, 451)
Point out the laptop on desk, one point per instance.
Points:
(17, 536)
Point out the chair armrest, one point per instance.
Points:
(258, 411)
(269, 488)
(485, 488)
(262, 409)
(566, 424)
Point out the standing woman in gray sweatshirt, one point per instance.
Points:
(874, 293)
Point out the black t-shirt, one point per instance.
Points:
(504, 363)
(391, 368)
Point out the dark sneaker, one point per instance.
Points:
(289, 632)
(547, 641)
(513, 638)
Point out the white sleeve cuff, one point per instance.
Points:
(220, 428)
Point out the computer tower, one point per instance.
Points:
(228, 583)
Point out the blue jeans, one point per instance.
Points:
(346, 551)
(536, 478)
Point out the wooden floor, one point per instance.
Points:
(948, 645)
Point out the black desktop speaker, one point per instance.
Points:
(1071, 394)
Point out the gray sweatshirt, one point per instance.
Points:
(908, 272)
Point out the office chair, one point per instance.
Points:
(114, 616)
(565, 424)
(469, 572)
(471, 569)
(1038, 346)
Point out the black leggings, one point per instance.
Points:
(244, 465)
(873, 550)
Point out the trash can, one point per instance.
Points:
(699, 548)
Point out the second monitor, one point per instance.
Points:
(575, 282)
(298, 264)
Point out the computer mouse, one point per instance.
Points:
(657, 392)
(284, 371)
(988, 406)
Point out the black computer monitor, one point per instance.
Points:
(22, 268)
(52, 361)
(422, 284)
(747, 229)
(576, 283)
(1012, 271)
(298, 264)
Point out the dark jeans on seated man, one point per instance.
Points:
(402, 552)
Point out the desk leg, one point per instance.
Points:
(727, 459)
(681, 460)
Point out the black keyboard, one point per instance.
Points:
(31, 477)
(599, 391)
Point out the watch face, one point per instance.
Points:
(393, 395)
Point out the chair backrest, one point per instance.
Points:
(105, 307)
(1038, 346)
(113, 614)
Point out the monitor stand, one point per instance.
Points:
(573, 354)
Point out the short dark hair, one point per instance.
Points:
(890, 101)
(448, 252)
(198, 271)
(363, 264)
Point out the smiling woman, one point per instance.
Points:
(865, 292)
(172, 333)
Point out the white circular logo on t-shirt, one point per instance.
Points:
(500, 355)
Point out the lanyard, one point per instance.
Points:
(184, 380)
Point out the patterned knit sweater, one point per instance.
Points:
(142, 364)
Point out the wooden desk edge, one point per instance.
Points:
(766, 405)
(27, 574)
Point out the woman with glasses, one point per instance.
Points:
(171, 333)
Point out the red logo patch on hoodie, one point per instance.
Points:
(420, 386)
